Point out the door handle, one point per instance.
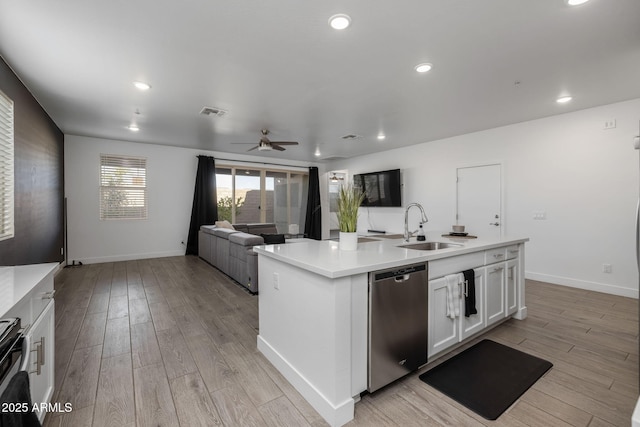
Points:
(494, 223)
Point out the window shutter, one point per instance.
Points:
(6, 168)
(123, 187)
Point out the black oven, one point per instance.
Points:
(11, 343)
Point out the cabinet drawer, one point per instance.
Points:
(456, 264)
(495, 255)
(513, 251)
(41, 295)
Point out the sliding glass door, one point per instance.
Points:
(247, 195)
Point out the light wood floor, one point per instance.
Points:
(172, 342)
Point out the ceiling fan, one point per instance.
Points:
(267, 145)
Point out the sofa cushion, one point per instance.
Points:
(224, 224)
(272, 239)
(241, 227)
(260, 228)
(207, 228)
(223, 232)
(245, 239)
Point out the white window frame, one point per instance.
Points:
(7, 160)
(130, 190)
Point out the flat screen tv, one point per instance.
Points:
(381, 189)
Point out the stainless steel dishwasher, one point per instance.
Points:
(398, 317)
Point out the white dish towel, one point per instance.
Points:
(453, 294)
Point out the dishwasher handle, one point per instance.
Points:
(401, 279)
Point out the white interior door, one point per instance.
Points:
(479, 200)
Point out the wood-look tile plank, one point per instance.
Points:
(235, 407)
(144, 345)
(135, 291)
(162, 316)
(92, 330)
(98, 303)
(533, 416)
(193, 403)
(117, 338)
(118, 306)
(557, 408)
(175, 354)
(212, 367)
(251, 376)
(81, 380)
(115, 400)
(154, 294)
(154, 403)
(76, 418)
(139, 311)
(280, 412)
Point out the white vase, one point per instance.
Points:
(348, 241)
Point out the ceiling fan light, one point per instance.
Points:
(576, 2)
(424, 67)
(339, 21)
(133, 128)
(564, 99)
(142, 85)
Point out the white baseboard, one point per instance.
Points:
(335, 415)
(583, 284)
(127, 257)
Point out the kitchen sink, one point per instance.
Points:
(430, 246)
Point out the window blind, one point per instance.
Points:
(6, 168)
(123, 187)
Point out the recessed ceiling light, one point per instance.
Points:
(340, 21)
(133, 128)
(576, 2)
(424, 67)
(563, 99)
(381, 136)
(142, 85)
(317, 153)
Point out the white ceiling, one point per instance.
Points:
(278, 65)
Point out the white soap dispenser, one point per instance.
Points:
(421, 237)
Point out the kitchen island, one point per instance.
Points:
(313, 307)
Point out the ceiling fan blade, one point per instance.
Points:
(277, 147)
(253, 148)
(242, 143)
(285, 142)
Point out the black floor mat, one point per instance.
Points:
(487, 378)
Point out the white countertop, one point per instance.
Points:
(16, 282)
(325, 258)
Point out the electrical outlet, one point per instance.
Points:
(276, 281)
(609, 124)
(607, 268)
(539, 215)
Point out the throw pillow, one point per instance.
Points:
(224, 224)
(272, 239)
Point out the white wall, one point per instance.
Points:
(584, 178)
(171, 175)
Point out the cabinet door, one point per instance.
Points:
(475, 322)
(511, 287)
(495, 300)
(443, 331)
(41, 358)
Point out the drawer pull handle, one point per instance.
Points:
(39, 357)
(48, 295)
(495, 270)
(513, 251)
(498, 255)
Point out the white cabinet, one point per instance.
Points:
(495, 299)
(475, 322)
(41, 358)
(444, 331)
(512, 283)
(497, 286)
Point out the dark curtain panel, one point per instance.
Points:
(313, 220)
(205, 207)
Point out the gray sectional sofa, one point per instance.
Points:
(231, 251)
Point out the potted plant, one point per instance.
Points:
(349, 200)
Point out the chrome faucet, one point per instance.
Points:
(406, 219)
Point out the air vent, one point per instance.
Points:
(213, 111)
(351, 136)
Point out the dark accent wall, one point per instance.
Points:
(39, 180)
